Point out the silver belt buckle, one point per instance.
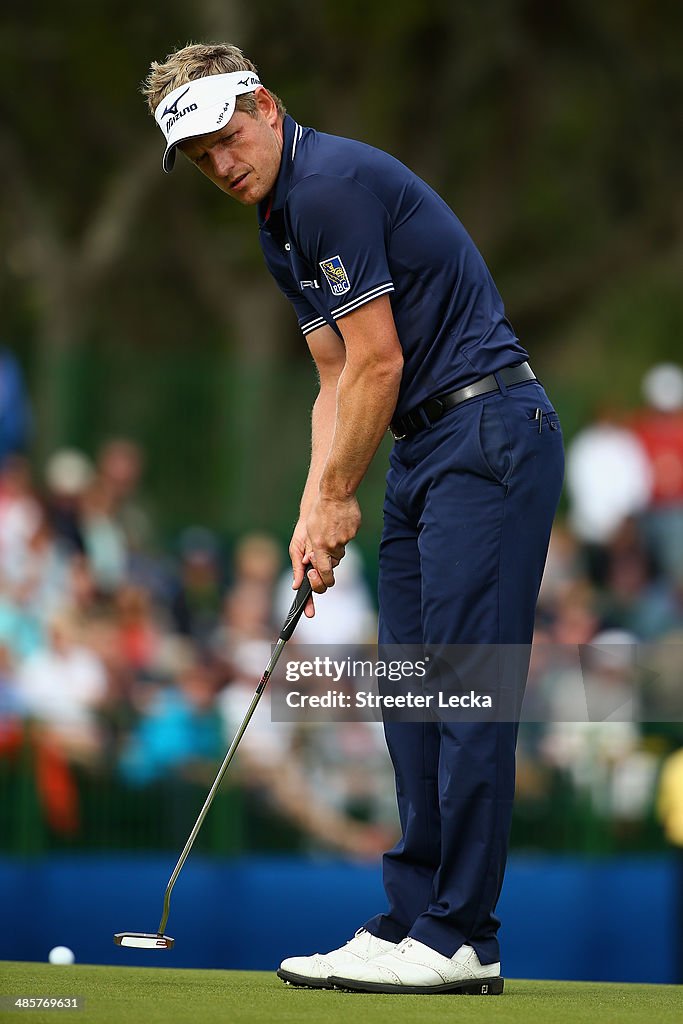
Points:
(396, 437)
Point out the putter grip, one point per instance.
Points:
(296, 611)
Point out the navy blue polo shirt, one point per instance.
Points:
(346, 223)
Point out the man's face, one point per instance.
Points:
(243, 158)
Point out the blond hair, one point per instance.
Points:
(197, 60)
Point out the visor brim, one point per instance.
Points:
(194, 124)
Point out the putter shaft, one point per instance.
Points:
(293, 617)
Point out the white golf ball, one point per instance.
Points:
(61, 955)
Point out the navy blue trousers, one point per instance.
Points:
(469, 506)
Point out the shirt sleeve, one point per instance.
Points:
(309, 319)
(341, 230)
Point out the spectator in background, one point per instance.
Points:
(118, 714)
(594, 732)
(103, 538)
(120, 464)
(196, 604)
(595, 682)
(244, 633)
(346, 765)
(575, 618)
(11, 704)
(257, 562)
(68, 474)
(62, 687)
(20, 517)
(36, 574)
(179, 732)
(562, 568)
(21, 631)
(245, 629)
(608, 478)
(19, 509)
(635, 597)
(84, 599)
(139, 627)
(659, 429)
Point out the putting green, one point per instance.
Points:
(124, 995)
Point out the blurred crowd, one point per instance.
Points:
(610, 619)
(119, 662)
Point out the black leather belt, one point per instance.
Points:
(434, 408)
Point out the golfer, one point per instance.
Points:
(408, 333)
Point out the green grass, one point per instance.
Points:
(128, 995)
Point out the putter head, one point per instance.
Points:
(144, 940)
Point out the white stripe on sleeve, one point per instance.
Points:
(313, 325)
(360, 300)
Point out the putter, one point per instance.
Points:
(159, 940)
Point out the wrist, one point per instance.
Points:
(335, 485)
(335, 492)
(306, 507)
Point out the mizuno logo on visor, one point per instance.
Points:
(173, 108)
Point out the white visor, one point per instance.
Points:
(200, 107)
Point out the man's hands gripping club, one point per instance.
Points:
(319, 543)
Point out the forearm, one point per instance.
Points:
(322, 431)
(366, 385)
(366, 398)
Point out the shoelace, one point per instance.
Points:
(361, 933)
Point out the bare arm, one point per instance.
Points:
(366, 395)
(329, 355)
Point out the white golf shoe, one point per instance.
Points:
(314, 971)
(415, 969)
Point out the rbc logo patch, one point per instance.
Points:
(336, 275)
